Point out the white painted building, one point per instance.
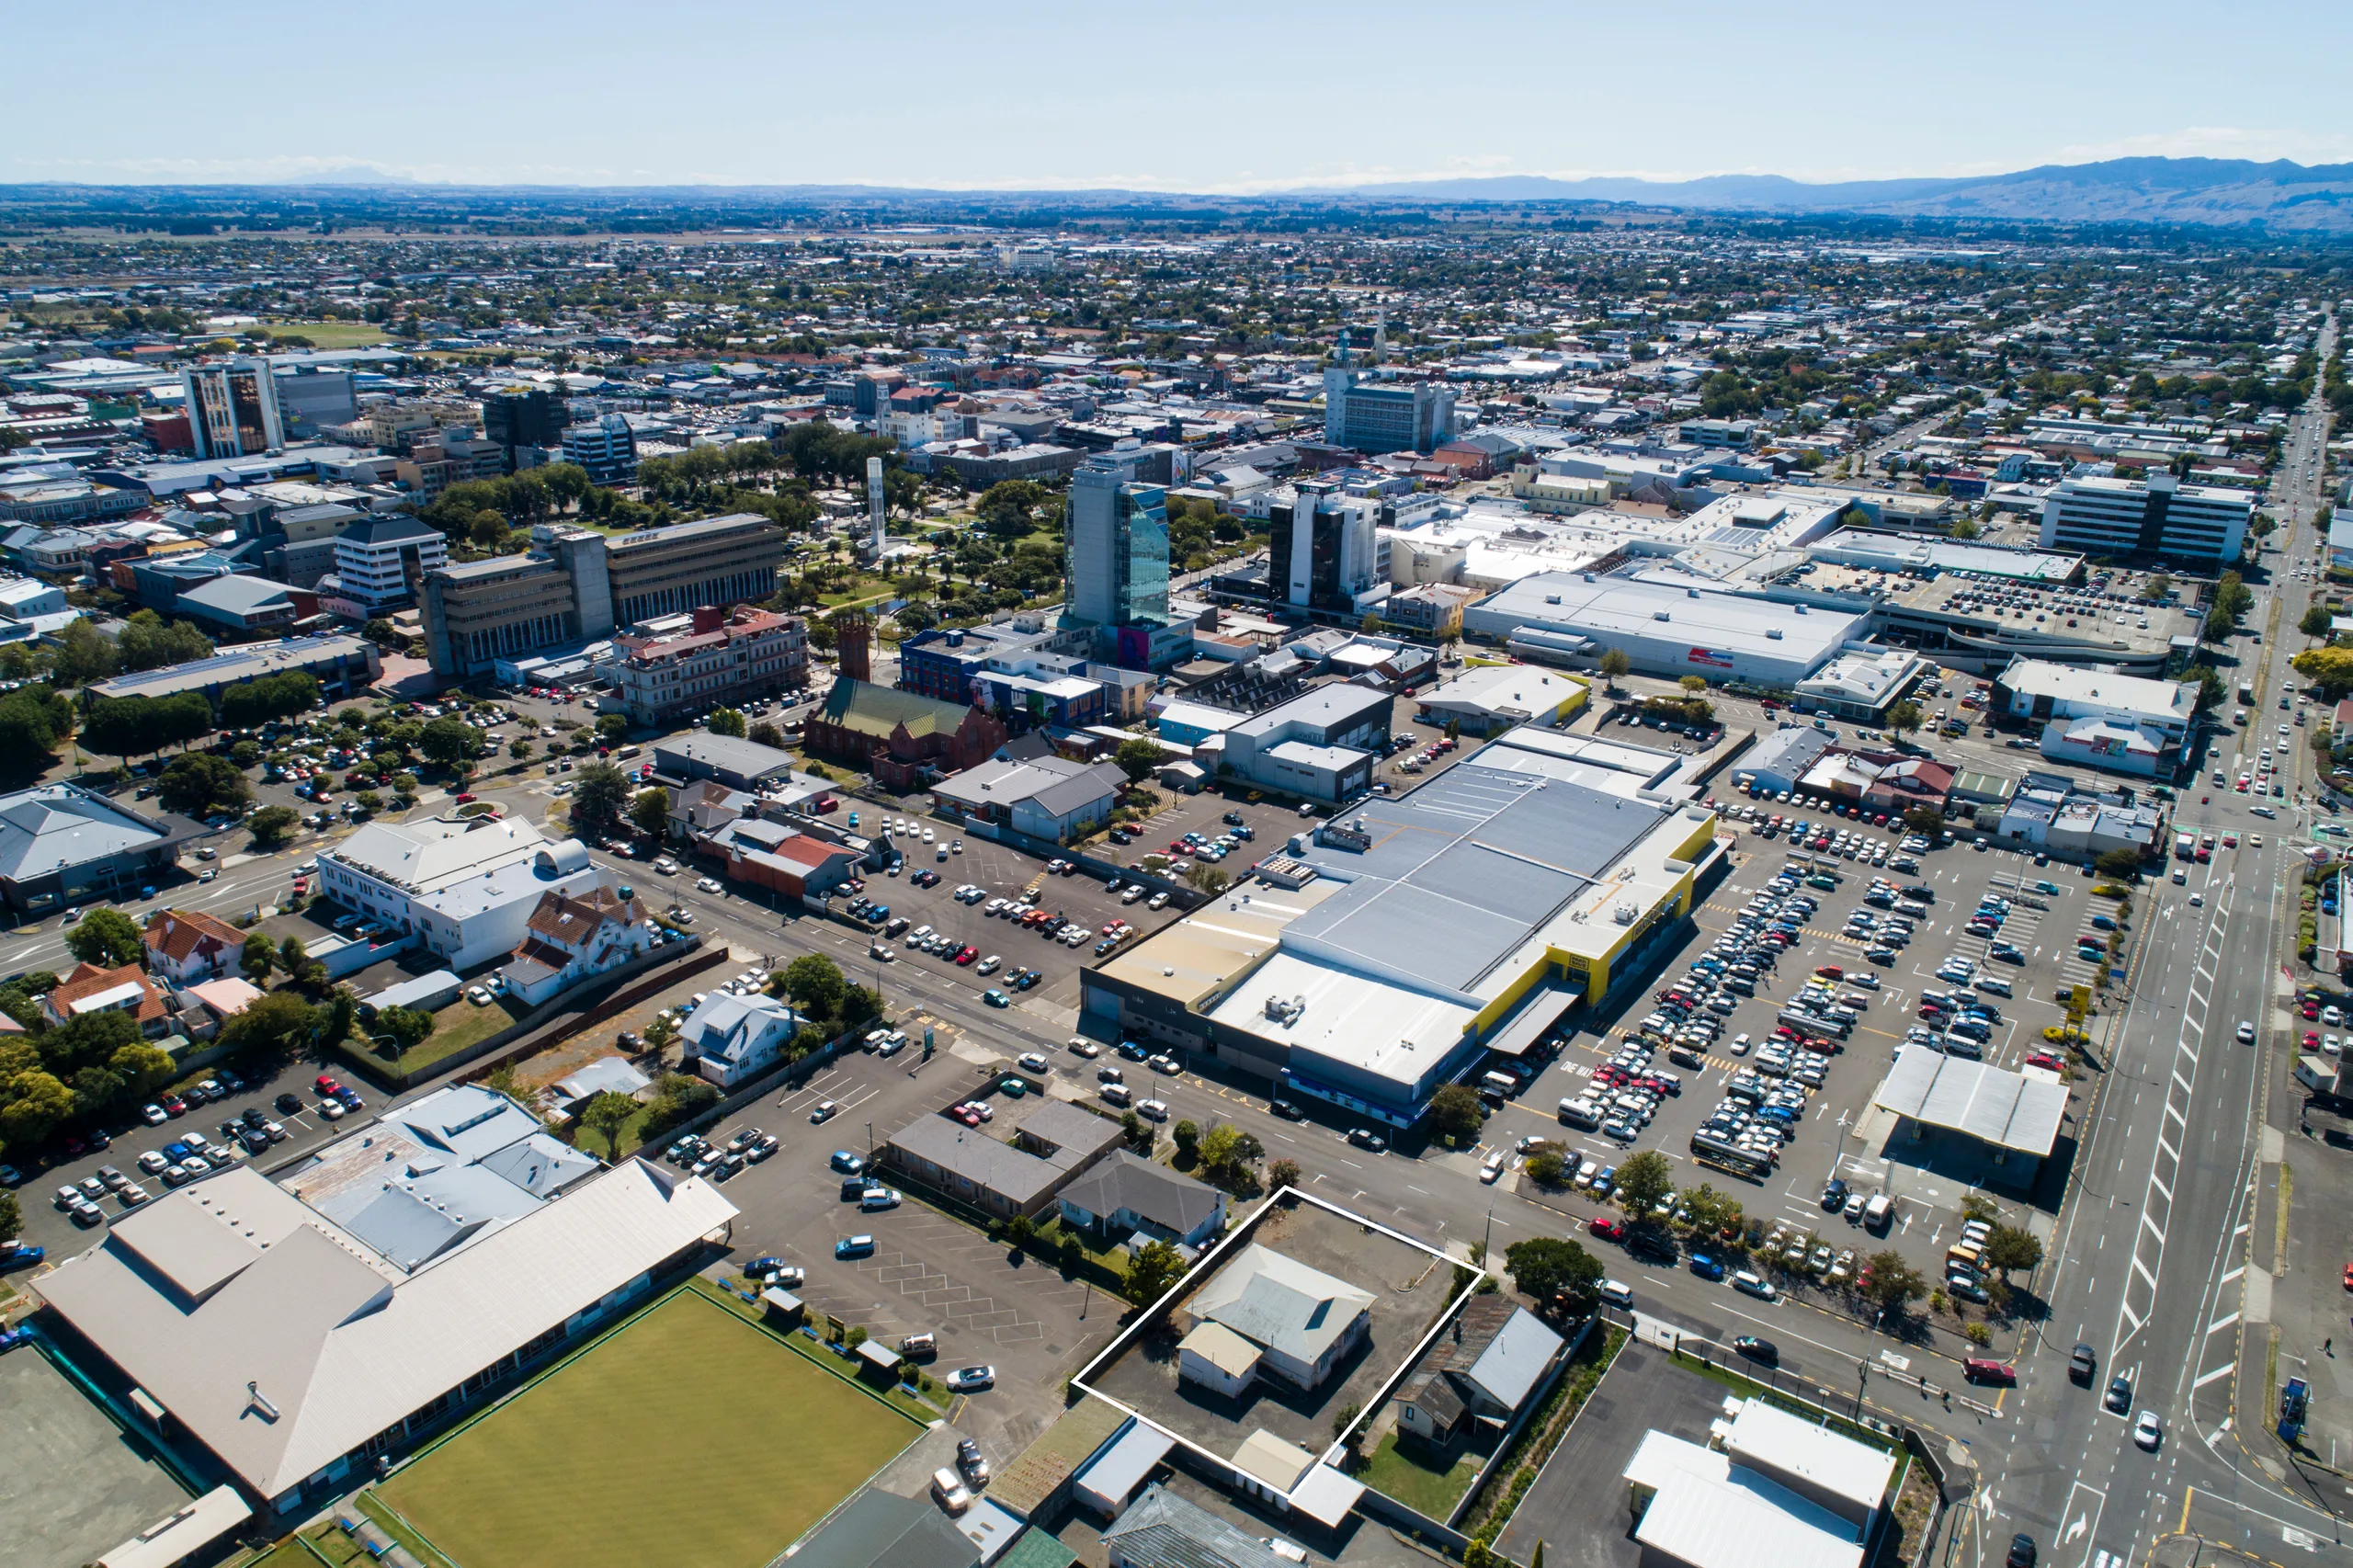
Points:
(467, 887)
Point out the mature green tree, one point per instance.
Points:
(1894, 1284)
(143, 1068)
(1548, 1267)
(649, 810)
(1546, 1166)
(1186, 1136)
(725, 721)
(1152, 1269)
(2009, 1247)
(1139, 758)
(1615, 665)
(815, 984)
(106, 937)
(200, 784)
(34, 721)
(147, 642)
(1282, 1174)
(272, 826)
(12, 1217)
(2121, 864)
(600, 797)
(766, 734)
(37, 1102)
(259, 957)
(85, 654)
(450, 741)
(276, 1025)
(133, 726)
(1457, 1112)
(2315, 621)
(605, 1115)
(612, 727)
(409, 1027)
(1904, 718)
(1643, 1182)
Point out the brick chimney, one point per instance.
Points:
(852, 630)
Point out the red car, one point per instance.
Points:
(2045, 1061)
(2349, 1276)
(2312, 1040)
(968, 955)
(463, 797)
(1831, 971)
(324, 1083)
(174, 1106)
(1610, 1230)
(2311, 1012)
(1999, 1373)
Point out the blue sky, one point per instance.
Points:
(1210, 97)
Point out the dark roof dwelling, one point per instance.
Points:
(1161, 1530)
(739, 764)
(1128, 1195)
(1056, 1142)
(1492, 1358)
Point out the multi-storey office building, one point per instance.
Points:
(577, 584)
(1323, 551)
(1118, 539)
(2160, 517)
(605, 448)
(233, 408)
(380, 561)
(1371, 418)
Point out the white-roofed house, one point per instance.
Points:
(731, 1038)
(468, 887)
(1301, 1320)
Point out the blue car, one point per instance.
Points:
(845, 1161)
(176, 1150)
(16, 1255)
(854, 1246)
(1706, 1268)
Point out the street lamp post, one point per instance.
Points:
(1862, 1380)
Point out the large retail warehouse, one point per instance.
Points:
(1376, 960)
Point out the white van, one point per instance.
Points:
(1877, 1213)
(948, 1487)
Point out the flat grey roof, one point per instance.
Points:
(2007, 1110)
(1461, 870)
(248, 662)
(1624, 605)
(55, 825)
(748, 759)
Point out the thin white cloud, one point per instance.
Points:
(2217, 141)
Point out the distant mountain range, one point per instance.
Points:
(2275, 199)
(2230, 192)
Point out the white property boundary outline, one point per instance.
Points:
(1215, 1259)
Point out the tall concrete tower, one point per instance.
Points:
(875, 502)
(1381, 337)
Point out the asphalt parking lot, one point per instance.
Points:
(928, 1273)
(1578, 1505)
(1926, 1200)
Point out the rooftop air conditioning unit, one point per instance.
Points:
(1660, 615)
(1773, 633)
(1692, 592)
(1551, 598)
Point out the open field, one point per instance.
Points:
(329, 333)
(622, 1454)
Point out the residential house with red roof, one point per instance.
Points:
(185, 946)
(571, 938)
(90, 989)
